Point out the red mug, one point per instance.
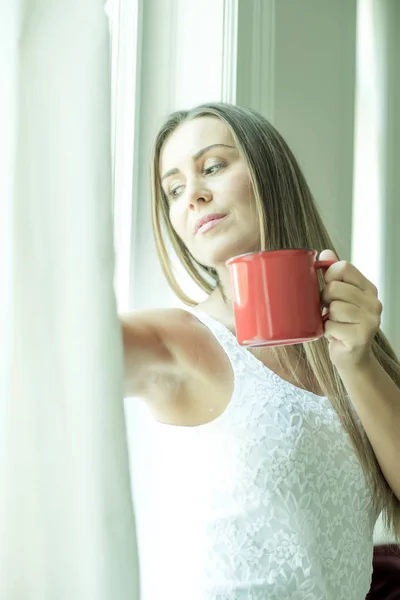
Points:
(276, 297)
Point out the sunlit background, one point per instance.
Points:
(75, 76)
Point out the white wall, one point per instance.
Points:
(391, 233)
(314, 101)
(307, 90)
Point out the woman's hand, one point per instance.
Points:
(354, 314)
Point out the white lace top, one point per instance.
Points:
(268, 501)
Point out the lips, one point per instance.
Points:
(207, 219)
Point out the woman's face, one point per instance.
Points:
(203, 174)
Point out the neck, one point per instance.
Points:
(224, 287)
(225, 296)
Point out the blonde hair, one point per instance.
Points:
(288, 218)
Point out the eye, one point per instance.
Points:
(174, 192)
(212, 169)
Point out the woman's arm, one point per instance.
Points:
(151, 357)
(354, 319)
(376, 399)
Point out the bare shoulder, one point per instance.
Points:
(196, 351)
(179, 331)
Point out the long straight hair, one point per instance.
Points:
(288, 218)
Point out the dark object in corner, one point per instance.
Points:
(385, 583)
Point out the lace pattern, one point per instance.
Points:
(274, 502)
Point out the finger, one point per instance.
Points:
(338, 290)
(343, 312)
(328, 255)
(348, 273)
(350, 334)
(344, 332)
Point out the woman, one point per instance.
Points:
(284, 456)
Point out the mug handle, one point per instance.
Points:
(324, 264)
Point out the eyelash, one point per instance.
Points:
(218, 166)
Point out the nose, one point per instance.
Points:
(197, 193)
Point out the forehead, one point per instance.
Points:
(192, 136)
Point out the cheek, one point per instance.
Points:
(240, 184)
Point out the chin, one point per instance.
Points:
(216, 253)
(218, 259)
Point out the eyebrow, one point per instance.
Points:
(196, 156)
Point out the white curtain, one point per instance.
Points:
(67, 526)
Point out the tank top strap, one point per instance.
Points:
(233, 350)
(238, 356)
(220, 331)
